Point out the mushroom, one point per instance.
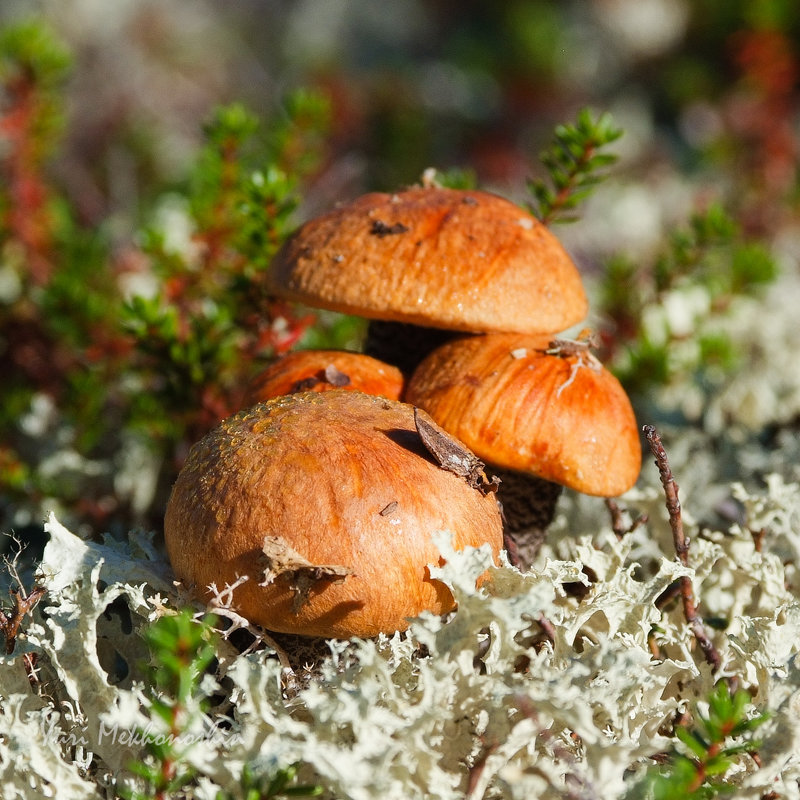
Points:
(466, 261)
(533, 406)
(322, 370)
(328, 503)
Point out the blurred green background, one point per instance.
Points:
(706, 92)
(119, 175)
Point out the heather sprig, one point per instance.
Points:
(181, 650)
(575, 165)
(702, 268)
(265, 783)
(696, 769)
(157, 337)
(201, 336)
(33, 67)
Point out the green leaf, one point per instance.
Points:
(693, 741)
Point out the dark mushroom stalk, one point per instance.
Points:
(427, 262)
(403, 344)
(542, 412)
(528, 504)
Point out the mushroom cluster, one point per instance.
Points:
(327, 489)
(467, 294)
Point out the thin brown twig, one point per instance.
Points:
(758, 538)
(681, 546)
(618, 523)
(548, 629)
(668, 595)
(476, 770)
(23, 604)
(652, 645)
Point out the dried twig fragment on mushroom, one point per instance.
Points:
(281, 559)
(581, 346)
(580, 350)
(453, 456)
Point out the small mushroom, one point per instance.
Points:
(323, 370)
(534, 406)
(446, 259)
(328, 502)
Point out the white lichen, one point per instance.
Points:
(480, 703)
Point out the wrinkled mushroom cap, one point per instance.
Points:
(343, 480)
(561, 417)
(441, 258)
(323, 370)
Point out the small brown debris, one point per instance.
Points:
(579, 349)
(758, 538)
(305, 384)
(453, 456)
(335, 377)
(330, 375)
(281, 559)
(381, 229)
(389, 509)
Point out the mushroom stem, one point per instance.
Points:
(402, 344)
(529, 505)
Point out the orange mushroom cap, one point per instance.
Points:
(322, 370)
(338, 480)
(520, 403)
(441, 258)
